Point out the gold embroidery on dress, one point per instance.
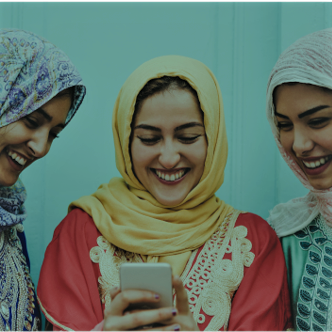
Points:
(210, 282)
(109, 265)
(17, 301)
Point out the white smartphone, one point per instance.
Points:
(155, 277)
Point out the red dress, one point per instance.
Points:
(237, 280)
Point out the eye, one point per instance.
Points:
(285, 125)
(188, 139)
(31, 122)
(149, 141)
(54, 135)
(318, 122)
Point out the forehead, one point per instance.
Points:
(176, 105)
(297, 98)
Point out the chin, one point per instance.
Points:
(321, 185)
(169, 201)
(7, 182)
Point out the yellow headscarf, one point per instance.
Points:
(125, 213)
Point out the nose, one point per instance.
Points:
(169, 155)
(302, 142)
(39, 144)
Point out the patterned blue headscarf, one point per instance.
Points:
(32, 72)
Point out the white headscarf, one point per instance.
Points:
(308, 61)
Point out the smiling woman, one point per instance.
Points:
(299, 109)
(30, 138)
(40, 91)
(168, 144)
(304, 114)
(171, 150)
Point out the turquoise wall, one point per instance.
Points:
(240, 42)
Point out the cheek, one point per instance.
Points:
(324, 138)
(196, 153)
(141, 155)
(286, 141)
(13, 134)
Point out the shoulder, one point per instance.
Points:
(76, 226)
(259, 232)
(253, 221)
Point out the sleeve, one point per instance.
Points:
(98, 328)
(68, 283)
(262, 301)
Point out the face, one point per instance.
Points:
(169, 145)
(30, 138)
(304, 114)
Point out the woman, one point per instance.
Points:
(40, 91)
(171, 150)
(299, 109)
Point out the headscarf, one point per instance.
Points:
(125, 213)
(307, 61)
(32, 72)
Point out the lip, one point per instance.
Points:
(16, 167)
(313, 158)
(173, 171)
(21, 155)
(315, 171)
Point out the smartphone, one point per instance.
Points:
(155, 277)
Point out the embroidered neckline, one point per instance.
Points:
(211, 281)
(17, 298)
(314, 307)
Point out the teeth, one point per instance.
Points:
(171, 177)
(17, 158)
(315, 164)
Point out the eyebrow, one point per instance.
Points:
(48, 117)
(184, 126)
(306, 113)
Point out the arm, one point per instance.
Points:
(68, 284)
(262, 300)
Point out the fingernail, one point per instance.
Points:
(156, 296)
(177, 328)
(174, 312)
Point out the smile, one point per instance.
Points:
(170, 177)
(19, 159)
(317, 163)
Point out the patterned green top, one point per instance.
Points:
(308, 255)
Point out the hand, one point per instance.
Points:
(184, 318)
(116, 317)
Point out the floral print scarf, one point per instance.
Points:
(32, 72)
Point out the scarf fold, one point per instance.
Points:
(12, 210)
(32, 72)
(307, 61)
(125, 213)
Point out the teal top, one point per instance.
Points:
(308, 255)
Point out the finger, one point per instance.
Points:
(181, 295)
(122, 301)
(148, 317)
(114, 292)
(173, 327)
